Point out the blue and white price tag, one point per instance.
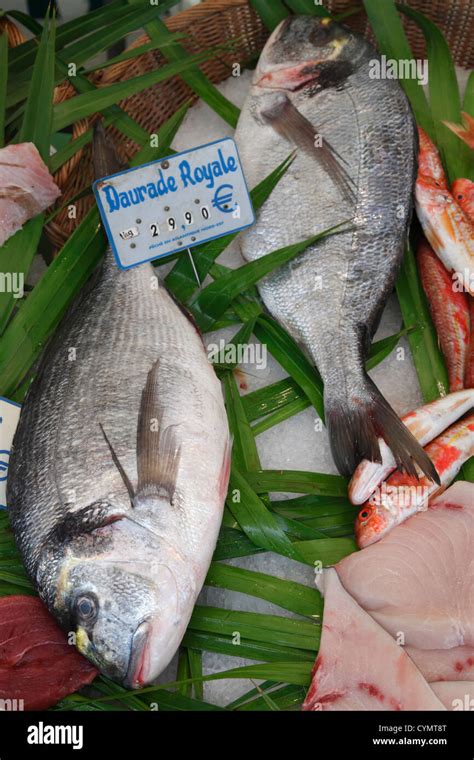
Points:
(9, 416)
(174, 203)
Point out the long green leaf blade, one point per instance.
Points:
(392, 41)
(445, 100)
(292, 596)
(429, 363)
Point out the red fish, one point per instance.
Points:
(445, 224)
(426, 424)
(450, 313)
(403, 495)
(37, 665)
(463, 191)
(469, 378)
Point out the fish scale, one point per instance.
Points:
(142, 373)
(330, 297)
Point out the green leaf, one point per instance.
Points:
(284, 696)
(445, 100)
(297, 481)
(272, 12)
(289, 672)
(256, 521)
(244, 448)
(181, 280)
(84, 105)
(38, 316)
(40, 96)
(183, 672)
(392, 42)
(193, 76)
(307, 8)
(131, 53)
(23, 55)
(16, 256)
(254, 650)
(292, 359)
(196, 671)
(468, 102)
(327, 551)
(82, 50)
(271, 629)
(429, 363)
(233, 543)
(292, 596)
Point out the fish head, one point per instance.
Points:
(372, 522)
(304, 50)
(463, 192)
(123, 598)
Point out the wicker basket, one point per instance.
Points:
(210, 23)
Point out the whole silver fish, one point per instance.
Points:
(119, 471)
(355, 161)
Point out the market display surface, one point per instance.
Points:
(240, 470)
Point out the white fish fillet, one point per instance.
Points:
(26, 187)
(455, 695)
(360, 667)
(418, 580)
(455, 664)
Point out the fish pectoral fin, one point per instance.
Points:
(292, 125)
(158, 452)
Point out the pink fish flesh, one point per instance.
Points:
(360, 666)
(26, 187)
(417, 580)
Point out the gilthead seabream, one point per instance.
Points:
(355, 162)
(119, 471)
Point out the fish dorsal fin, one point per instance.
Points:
(158, 453)
(285, 119)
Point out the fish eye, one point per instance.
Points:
(460, 196)
(364, 514)
(86, 608)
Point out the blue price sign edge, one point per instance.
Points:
(181, 249)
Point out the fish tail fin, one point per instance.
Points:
(357, 420)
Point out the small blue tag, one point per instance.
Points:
(9, 416)
(174, 203)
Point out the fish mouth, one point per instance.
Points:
(290, 78)
(138, 666)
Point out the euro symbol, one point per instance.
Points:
(222, 200)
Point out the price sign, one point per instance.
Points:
(175, 203)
